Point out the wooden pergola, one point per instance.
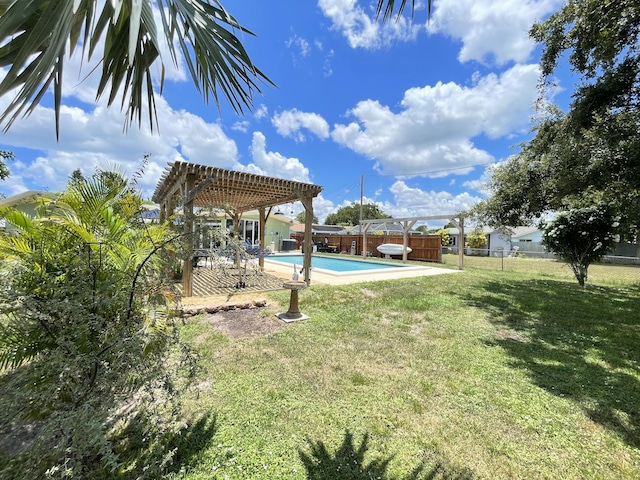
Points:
(407, 224)
(199, 186)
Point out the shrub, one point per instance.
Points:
(476, 238)
(86, 328)
(444, 236)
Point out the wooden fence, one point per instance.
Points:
(423, 247)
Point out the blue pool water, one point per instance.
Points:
(336, 264)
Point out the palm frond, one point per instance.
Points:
(19, 343)
(37, 32)
(17, 218)
(389, 5)
(34, 35)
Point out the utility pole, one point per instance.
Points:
(361, 196)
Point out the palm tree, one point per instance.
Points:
(389, 5)
(88, 243)
(84, 309)
(34, 36)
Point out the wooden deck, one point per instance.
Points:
(214, 281)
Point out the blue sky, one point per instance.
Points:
(420, 109)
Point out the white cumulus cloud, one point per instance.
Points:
(289, 123)
(434, 130)
(361, 29)
(492, 31)
(274, 164)
(95, 138)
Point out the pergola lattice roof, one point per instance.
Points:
(239, 191)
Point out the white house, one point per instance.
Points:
(503, 239)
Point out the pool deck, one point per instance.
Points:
(210, 288)
(320, 276)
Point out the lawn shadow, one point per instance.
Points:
(348, 463)
(193, 440)
(169, 453)
(145, 448)
(578, 343)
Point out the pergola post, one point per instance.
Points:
(363, 229)
(461, 244)
(307, 202)
(187, 269)
(263, 225)
(236, 230)
(406, 227)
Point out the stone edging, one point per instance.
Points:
(193, 310)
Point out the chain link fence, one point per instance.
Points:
(612, 270)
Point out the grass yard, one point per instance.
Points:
(600, 273)
(476, 375)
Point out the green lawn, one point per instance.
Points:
(481, 374)
(600, 273)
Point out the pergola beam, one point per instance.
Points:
(193, 194)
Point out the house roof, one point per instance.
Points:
(26, 197)
(239, 191)
(522, 231)
(318, 229)
(385, 227)
(514, 232)
(467, 229)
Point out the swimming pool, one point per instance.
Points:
(334, 264)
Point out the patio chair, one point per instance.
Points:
(258, 252)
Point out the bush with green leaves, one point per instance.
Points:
(444, 236)
(87, 337)
(476, 238)
(582, 236)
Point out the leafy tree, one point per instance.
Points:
(590, 153)
(4, 170)
(35, 35)
(302, 216)
(87, 338)
(581, 236)
(423, 229)
(76, 177)
(350, 215)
